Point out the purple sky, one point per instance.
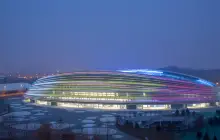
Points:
(66, 35)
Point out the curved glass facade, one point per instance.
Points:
(124, 87)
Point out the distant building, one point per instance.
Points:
(14, 87)
(2, 78)
(2, 102)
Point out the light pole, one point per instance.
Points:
(4, 88)
(107, 128)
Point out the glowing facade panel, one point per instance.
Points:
(124, 86)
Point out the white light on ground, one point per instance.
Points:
(91, 118)
(16, 107)
(94, 110)
(16, 104)
(26, 108)
(89, 125)
(79, 111)
(30, 126)
(117, 136)
(107, 119)
(98, 131)
(14, 98)
(88, 121)
(113, 124)
(53, 122)
(39, 114)
(21, 119)
(77, 130)
(18, 114)
(33, 118)
(36, 110)
(108, 124)
(107, 115)
(61, 126)
(69, 109)
(35, 126)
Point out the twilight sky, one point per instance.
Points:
(66, 35)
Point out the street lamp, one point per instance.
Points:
(106, 123)
(5, 87)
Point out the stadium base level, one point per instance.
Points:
(106, 106)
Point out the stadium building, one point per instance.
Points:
(123, 89)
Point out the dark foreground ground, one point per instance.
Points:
(25, 120)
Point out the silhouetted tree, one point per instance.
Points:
(206, 136)
(177, 112)
(199, 123)
(60, 120)
(126, 122)
(68, 136)
(44, 132)
(158, 128)
(187, 112)
(193, 113)
(96, 137)
(215, 118)
(136, 125)
(199, 135)
(215, 138)
(183, 112)
(171, 127)
(210, 121)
